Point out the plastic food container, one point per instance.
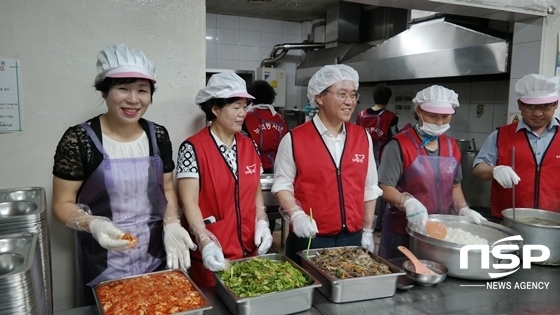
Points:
(353, 289)
(165, 299)
(275, 303)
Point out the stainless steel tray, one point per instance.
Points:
(354, 289)
(198, 311)
(276, 303)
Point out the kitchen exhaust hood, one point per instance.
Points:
(433, 49)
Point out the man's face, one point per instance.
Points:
(338, 101)
(537, 116)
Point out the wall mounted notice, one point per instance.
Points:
(10, 105)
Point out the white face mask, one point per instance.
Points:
(433, 129)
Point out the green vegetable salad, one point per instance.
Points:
(259, 276)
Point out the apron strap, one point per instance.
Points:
(95, 139)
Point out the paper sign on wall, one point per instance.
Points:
(10, 105)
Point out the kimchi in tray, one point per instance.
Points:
(161, 292)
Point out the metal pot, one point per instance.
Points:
(464, 144)
(548, 236)
(266, 185)
(447, 253)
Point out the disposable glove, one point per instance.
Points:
(505, 176)
(471, 214)
(108, 235)
(416, 213)
(213, 257)
(177, 242)
(302, 225)
(367, 240)
(263, 238)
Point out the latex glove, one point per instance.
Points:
(263, 238)
(213, 257)
(367, 240)
(177, 242)
(302, 225)
(108, 235)
(416, 213)
(505, 176)
(471, 214)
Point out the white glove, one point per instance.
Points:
(302, 225)
(177, 242)
(367, 240)
(263, 238)
(108, 235)
(471, 214)
(213, 257)
(505, 176)
(416, 213)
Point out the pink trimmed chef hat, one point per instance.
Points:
(120, 61)
(537, 89)
(437, 99)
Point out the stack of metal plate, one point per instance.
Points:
(23, 210)
(21, 280)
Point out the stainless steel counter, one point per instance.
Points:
(448, 297)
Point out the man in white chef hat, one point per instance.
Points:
(325, 175)
(537, 148)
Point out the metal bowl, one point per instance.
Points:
(423, 279)
(10, 262)
(21, 195)
(13, 208)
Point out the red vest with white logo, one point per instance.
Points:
(266, 130)
(230, 201)
(539, 186)
(335, 194)
(376, 125)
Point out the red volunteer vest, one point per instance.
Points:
(267, 131)
(336, 195)
(230, 201)
(376, 125)
(539, 187)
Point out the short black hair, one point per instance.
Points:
(262, 91)
(382, 94)
(220, 102)
(105, 85)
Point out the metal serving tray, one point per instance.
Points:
(197, 311)
(354, 289)
(275, 303)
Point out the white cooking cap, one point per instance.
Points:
(437, 99)
(120, 61)
(537, 89)
(327, 76)
(223, 85)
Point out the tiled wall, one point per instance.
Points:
(466, 123)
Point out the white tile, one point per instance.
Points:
(227, 36)
(271, 26)
(502, 91)
(463, 89)
(479, 138)
(483, 92)
(211, 34)
(291, 98)
(528, 31)
(512, 100)
(270, 39)
(228, 21)
(291, 39)
(249, 65)
(229, 52)
(291, 28)
(500, 115)
(457, 134)
(211, 51)
(250, 38)
(525, 59)
(460, 120)
(250, 53)
(227, 64)
(210, 63)
(250, 24)
(482, 123)
(211, 20)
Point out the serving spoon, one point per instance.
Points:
(436, 229)
(418, 266)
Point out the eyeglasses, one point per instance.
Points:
(343, 95)
(542, 107)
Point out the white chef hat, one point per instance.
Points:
(537, 89)
(223, 85)
(120, 61)
(437, 99)
(327, 76)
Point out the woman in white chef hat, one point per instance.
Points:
(113, 175)
(420, 171)
(218, 178)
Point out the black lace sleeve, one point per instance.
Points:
(165, 148)
(73, 155)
